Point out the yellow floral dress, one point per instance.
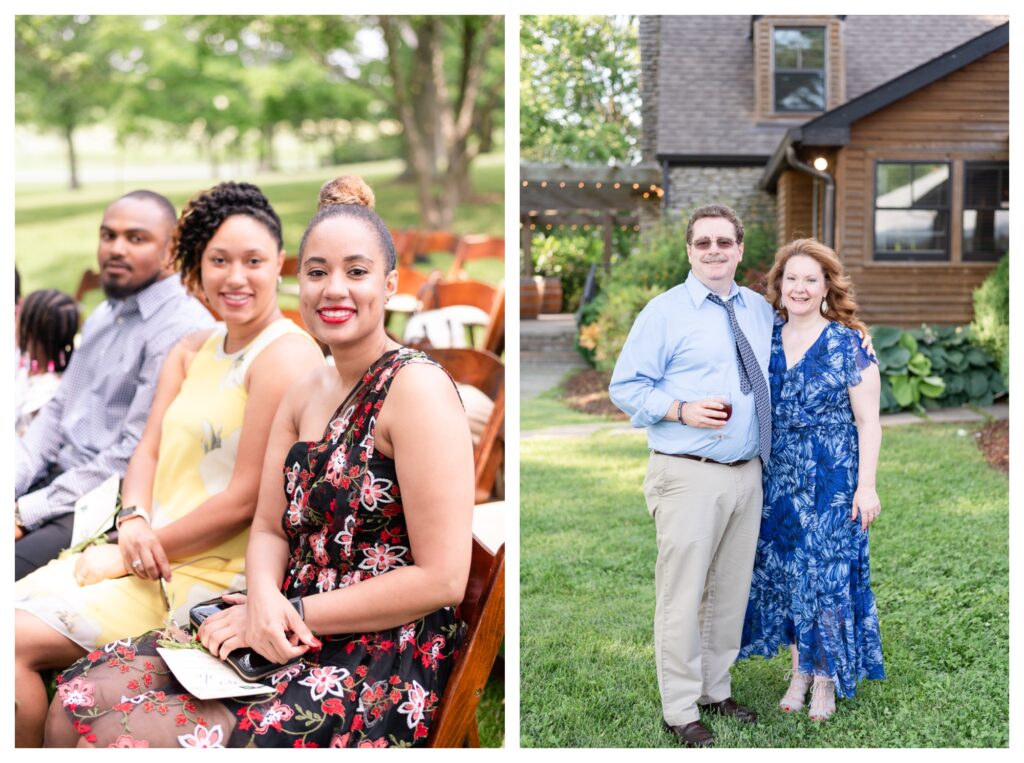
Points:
(198, 446)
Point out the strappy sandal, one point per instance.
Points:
(793, 700)
(823, 699)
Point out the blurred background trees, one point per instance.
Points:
(427, 90)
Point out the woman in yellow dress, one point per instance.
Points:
(189, 493)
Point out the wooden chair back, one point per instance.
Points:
(475, 247)
(410, 281)
(90, 280)
(474, 293)
(494, 337)
(290, 267)
(483, 609)
(435, 241)
(405, 246)
(485, 371)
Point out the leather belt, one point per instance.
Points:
(703, 459)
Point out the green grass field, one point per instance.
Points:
(939, 572)
(56, 230)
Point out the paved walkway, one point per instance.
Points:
(942, 416)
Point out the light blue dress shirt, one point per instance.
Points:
(681, 348)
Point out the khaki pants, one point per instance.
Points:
(707, 517)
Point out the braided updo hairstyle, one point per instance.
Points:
(47, 326)
(206, 212)
(350, 196)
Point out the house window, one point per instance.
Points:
(986, 210)
(798, 65)
(912, 211)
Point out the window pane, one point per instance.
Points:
(800, 92)
(982, 187)
(986, 231)
(910, 230)
(799, 48)
(893, 185)
(931, 185)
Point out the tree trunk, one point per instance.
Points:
(69, 138)
(268, 162)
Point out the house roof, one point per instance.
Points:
(706, 76)
(833, 127)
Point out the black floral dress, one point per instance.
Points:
(344, 524)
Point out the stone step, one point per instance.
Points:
(572, 359)
(544, 344)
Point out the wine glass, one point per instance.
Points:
(726, 400)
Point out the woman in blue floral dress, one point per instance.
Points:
(811, 583)
(368, 526)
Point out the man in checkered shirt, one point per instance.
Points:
(88, 431)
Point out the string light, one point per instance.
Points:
(526, 183)
(543, 183)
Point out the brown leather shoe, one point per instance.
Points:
(730, 709)
(692, 734)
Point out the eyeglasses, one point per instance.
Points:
(704, 244)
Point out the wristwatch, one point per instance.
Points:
(129, 512)
(679, 412)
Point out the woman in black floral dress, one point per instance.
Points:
(378, 568)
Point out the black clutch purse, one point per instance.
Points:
(248, 663)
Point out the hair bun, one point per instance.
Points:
(348, 189)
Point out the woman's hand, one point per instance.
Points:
(98, 563)
(141, 552)
(224, 632)
(276, 631)
(866, 503)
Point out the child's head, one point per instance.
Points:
(46, 328)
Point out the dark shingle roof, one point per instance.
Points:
(706, 74)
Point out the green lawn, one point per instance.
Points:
(56, 230)
(939, 572)
(547, 410)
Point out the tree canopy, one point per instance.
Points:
(579, 89)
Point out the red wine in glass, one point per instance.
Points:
(727, 410)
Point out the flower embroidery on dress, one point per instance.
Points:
(324, 681)
(325, 580)
(344, 538)
(125, 740)
(374, 492)
(203, 737)
(77, 693)
(413, 707)
(380, 558)
(293, 476)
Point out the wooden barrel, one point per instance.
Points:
(551, 295)
(529, 298)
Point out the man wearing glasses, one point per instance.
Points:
(694, 372)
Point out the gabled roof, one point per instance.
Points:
(705, 75)
(833, 127)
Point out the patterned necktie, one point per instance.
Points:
(751, 378)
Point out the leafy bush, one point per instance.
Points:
(567, 258)
(657, 263)
(991, 325)
(934, 367)
(759, 249)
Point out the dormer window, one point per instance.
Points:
(798, 71)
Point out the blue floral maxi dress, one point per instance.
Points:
(344, 523)
(811, 585)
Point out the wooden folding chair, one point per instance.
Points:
(494, 336)
(475, 247)
(428, 242)
(90, 280)
(485, 371)
(405, 246)
(290, 267)
(483, 609)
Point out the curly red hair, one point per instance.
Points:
(840, 304)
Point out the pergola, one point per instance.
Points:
(583, 197)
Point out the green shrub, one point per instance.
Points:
(991, 325)
(934, 367)
(759, 249)
(619, 309)
(567, 258)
